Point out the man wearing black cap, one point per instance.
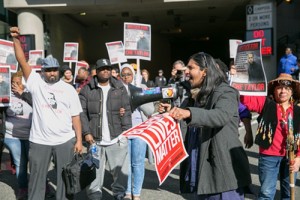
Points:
(160, 80)
(102, 125)
(55, 122)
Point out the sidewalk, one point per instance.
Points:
(151, 189)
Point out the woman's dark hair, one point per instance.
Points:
(214, 76)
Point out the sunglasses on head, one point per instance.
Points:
(285, 83)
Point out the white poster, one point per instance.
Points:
(233, 44)
(35, 59)
(137, 41)
(5, 87)
(71, 52)
(250, 78)
(7, 55)
(116, 52)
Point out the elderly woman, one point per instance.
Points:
(137, 147)
(221, 164)
(272, 133)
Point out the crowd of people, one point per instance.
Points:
(55, 113)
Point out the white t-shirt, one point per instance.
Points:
(53, 108)
(106, 139)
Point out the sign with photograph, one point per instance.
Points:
(137, 41)
(116, 52)
(35, 59)
(163, 135)
(250, 78)
(7, 55)
(71, 52)
(5, 88)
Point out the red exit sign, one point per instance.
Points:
(266, 36)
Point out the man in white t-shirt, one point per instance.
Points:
(56, 126)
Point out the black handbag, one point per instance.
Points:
(77, 174)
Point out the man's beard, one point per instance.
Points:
(52, 79)
(102, 80)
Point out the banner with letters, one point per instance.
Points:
(163, 135)
(250, 78)
(137, 41)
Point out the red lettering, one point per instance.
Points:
(258, 34)
(3, 70)
(266, 50)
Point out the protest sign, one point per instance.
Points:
(71, 52)
(163, 135)
(7, 55)
(116, 52)
(233, 44)
(250, 78)
(35, 59)
(137, 41)
(80, 64)
(5, 88)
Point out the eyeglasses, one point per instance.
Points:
(126, 74)
(204, 57)
(52, 69)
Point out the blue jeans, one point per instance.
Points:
(19, 150)
(137, 151)
(268, 169)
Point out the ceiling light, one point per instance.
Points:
(82, 13)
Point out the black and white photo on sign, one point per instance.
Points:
(5, 85)
(71, 52)
(250, 76)
(36, 58)
(116, 52)
(7, 55)
(137, 41)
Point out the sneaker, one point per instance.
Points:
(128, 197)
(22, 194)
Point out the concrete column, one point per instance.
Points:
(30, 22)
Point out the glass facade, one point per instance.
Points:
(7, 18)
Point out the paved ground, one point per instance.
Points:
(151, 189)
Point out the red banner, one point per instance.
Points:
(162, 133)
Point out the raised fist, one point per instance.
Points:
(14, 32)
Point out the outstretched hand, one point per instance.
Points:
(14, 32)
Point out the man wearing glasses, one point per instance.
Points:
(55, 132)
